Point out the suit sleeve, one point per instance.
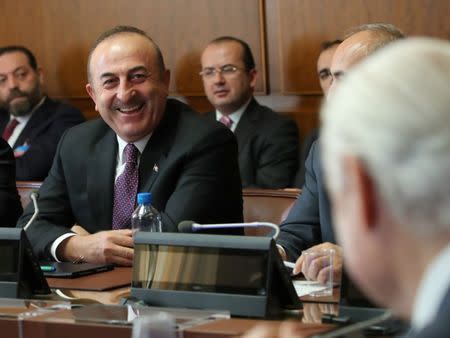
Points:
(278, 158)
(208, 189)
(301, 229)
(35, 163)
(10, 206)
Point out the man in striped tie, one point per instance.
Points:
(30, 121)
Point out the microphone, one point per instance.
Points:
(191, 226)
(34, 196)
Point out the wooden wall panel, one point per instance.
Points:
(61, 33)
(284, 35)
(304, 24)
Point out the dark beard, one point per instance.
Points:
(28, 102)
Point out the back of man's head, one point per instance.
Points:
(392, 112)
(381, 33)
(360, 42)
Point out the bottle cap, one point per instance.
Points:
(144, 198)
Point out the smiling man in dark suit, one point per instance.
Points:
(143, 142)
(268, 142)
(30, 121)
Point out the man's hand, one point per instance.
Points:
(312, 270)
(313, 312)
(114, 246)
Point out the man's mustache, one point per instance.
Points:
(16, 93)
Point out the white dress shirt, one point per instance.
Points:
(120, 166)
(23, 120)
(235, 116)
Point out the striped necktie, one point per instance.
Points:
(226, 121)
(125, 190)
(9, 129)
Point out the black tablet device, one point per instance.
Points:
(244, 275)
(72, 270)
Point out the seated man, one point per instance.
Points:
(268, 142)
(309, 224)
(389, 184)
(31, 122)
(10, 207)
(386, 142)
(325, 79)
(144, 142)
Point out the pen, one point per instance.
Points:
(289, 264)
(48, 268)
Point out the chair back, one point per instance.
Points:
(25, 188)
(267, 205)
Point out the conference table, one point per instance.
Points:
(58, 315)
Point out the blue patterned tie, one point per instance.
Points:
(125, 190)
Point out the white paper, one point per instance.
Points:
(304, 287)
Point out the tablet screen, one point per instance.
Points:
(201, 269)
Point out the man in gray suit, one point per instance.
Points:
(386, 144)
(143, 142)
(268, 142)
(309, 224)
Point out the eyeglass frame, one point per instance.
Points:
(221, 70)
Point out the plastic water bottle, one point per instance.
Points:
(145, 217)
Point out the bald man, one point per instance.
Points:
(309, 224)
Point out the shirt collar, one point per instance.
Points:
(140, 145)
(234, 116)
(432, 290)
(26, 118)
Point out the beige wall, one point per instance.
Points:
(284, 35)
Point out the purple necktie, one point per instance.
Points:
(9, 129)
(125, 190)
(226, 121)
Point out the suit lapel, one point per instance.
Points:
(246, 124)
(39, 119)
(4, 119)
(100, 179)
(211, 115)
(155, 153)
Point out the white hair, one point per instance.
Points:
(392, 111)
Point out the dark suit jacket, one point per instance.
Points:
(42, 134)
(309, 221)
(189, 165)
(440, 326)
(268, 147)
(10, 207)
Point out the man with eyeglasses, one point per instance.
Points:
(268, 142)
